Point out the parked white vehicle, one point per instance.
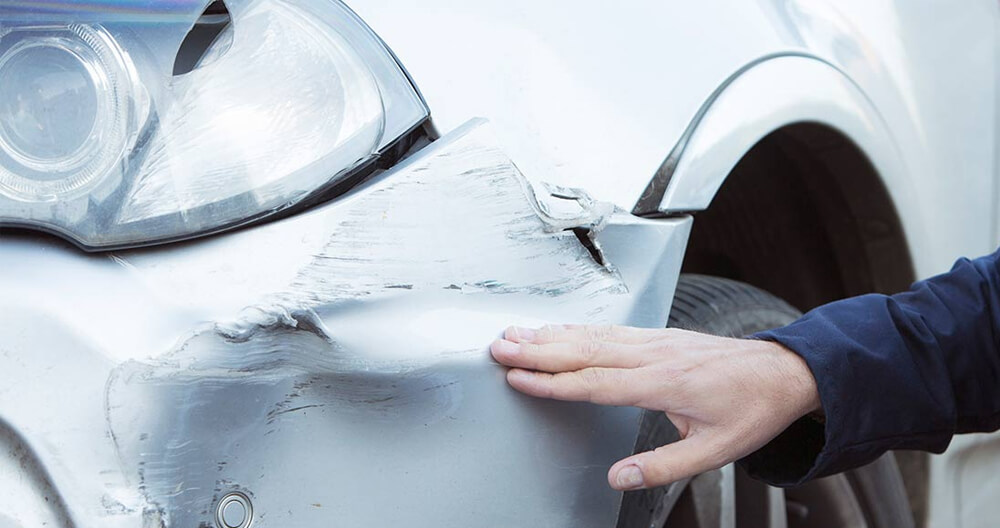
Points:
(286, 263)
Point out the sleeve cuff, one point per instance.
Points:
(864, 410)
(791, 458)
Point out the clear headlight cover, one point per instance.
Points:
(102, 143)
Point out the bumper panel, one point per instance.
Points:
(331, 366)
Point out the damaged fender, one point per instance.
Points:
(330, 368)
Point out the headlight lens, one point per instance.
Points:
(63, 109)
(100, 142)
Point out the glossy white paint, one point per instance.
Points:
(780, 91)
(764, 97)
(597, 95)
(592, 93)
(964, 483)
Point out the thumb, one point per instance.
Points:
(670, 463)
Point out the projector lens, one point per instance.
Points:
(63, 119)
(48, 103)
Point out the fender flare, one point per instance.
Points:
(764, 96)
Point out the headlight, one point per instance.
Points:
(100, 142)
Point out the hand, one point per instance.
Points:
(727, 397)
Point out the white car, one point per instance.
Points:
(250, 271)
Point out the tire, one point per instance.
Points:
(872, 496)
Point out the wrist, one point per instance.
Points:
(799, 380)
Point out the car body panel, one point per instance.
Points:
(598, 96)
(964, 483)
(768, 95)
(332, 365)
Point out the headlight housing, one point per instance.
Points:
(100, 142)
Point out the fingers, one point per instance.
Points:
(670, 463)
(567, 355)
(598, 385)
(599, 333)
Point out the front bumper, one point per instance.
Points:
(331, 367)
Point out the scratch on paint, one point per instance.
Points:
(459, 221)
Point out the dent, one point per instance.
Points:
(225, 400)
(443, 230)
(452, 221)
(343, 350)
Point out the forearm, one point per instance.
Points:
(893, 372)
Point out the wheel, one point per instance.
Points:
(871, 497)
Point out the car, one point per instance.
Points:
(254, 251)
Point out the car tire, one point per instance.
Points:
(873, 496)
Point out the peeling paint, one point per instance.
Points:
(387, 237)
(450, 223)
(360, 370)
(585, 213)
(436, 225)
(230, 398)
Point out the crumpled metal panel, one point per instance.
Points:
(331, 367)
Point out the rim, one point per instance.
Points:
(728, 498)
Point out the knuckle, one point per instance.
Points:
(599, 332)
(568, 386)
(591, 381)
(592, 377)
(588, 351)
(530, 356)
(530, 349)
(659, 464)
(673, 333)
(627, 334)
(543, 386)
(675, 376)
(547, 333)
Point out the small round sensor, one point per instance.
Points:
(234, 511)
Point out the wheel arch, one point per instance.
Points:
(790, 138)
(798, 188)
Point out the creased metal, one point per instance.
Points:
(332, 367)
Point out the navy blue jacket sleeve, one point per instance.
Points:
(906, 371)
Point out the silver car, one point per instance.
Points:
(250, 272)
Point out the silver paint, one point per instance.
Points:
(332, 367)
(600, 95)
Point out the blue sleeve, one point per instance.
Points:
(906, 371)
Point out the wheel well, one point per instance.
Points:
(805, 216)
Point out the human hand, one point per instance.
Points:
(727, 397)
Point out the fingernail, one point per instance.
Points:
(502, 346)
(524, 334)
(629, 477)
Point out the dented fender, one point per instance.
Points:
(331, 367)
